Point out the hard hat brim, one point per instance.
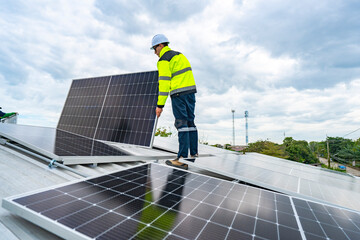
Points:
(152, 48)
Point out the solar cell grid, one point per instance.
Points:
(244, 168)
(68, 144)
(159, 201)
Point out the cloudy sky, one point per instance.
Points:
(294, 65)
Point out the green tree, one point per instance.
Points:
(344, 150)
(338, 143)
(227, 146)
(162, 132)
(267, 147)
(299, 151)
(319, 148)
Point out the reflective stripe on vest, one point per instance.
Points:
(163, 93)
(164, 78)
(184, 89)
(187, 129)
(180, 72)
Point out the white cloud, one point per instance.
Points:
(292, 69)
(303, 114)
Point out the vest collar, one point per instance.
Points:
(164, 50)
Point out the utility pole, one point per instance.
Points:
(328, 151)
(246, 127)
(233, 112)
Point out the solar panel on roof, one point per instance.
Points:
(286, 177)
(118, 108)
(153, 201)
(56, 143)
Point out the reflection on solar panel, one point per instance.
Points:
(117, 108)
(56, 143)
(154, 202)
(287, 177)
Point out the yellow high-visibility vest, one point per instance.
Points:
(175, 75)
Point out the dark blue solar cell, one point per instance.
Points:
(132, 207)
(266, 230)
(233, 234)
(213, 231)
(214, 199)
(223, 216)
(189, 228)
(248, 209)
(100, 196)
(125, 230)
(169, 220)
(244, 223)
(101, 224)
(204, 211)
(289, 233)
(284, 207)
(333, 232)
(267, 214)
(50, 203)
(66, 209)
(115, 201)
(37, 197)
(312, 227)
(287, 220)
(186, 205)
(83, 216)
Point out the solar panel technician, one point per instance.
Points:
(176, 78)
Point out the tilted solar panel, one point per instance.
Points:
(118, 108)
(154, 201)
(83, 106)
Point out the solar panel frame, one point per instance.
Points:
(117, 108)
(190, 197)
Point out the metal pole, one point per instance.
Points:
(246, 127)
(233, 111)
(328, 151)
(52, 162)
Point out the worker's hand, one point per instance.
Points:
(158, 111)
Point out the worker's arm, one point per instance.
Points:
(164, 82)
(164, 85)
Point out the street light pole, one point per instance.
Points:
(233, 112)
(328, 151)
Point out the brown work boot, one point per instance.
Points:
(176, 163)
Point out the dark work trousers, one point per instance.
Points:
(183, 107)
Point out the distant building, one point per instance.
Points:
(238, 148)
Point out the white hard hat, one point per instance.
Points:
(157, 39)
